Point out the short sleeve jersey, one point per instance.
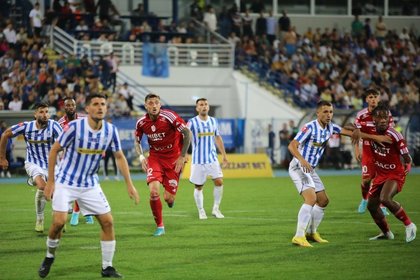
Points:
(163, 134)
(313, 140)
(387, 157)
(38, 141)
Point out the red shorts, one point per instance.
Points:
(368, 165)
(380, 180)
(163, 170)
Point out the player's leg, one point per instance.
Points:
(377, 214)
(389, 190)
(217, 194)
(365, 185)
(198, 178)
(306, 188)
(317, 216)
(74, 221)
(156, 206)
(40, 202)
(216, 174)
(60, 201)
(107, 245)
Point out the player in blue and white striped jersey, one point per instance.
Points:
(39, 135)
(85, 141)
(307, 149)
(205, 138)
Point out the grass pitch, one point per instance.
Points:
(252, 242)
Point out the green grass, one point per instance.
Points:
(252, 242)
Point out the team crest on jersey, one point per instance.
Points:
(153, 128)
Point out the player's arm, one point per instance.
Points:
(52, 160)
(142, 158)
(125, 172)
(3, 143)
(293, 148)
(186, 139)
(221, 147)
(377, 138)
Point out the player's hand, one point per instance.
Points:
(355, 137)
(407, 168)
(132, 192)
(143, 162)
(306, 167)
(48, 190)
(179, 164)
(225, 162)
(4, 163)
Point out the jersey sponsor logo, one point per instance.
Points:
(38, 141)
(382, 151)
(388, 166)
(156, 136)
(202, 134)
(89, 151)
(162, 148)
(318, 144)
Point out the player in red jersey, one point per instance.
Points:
(70, 115)
(390, 176)
(364, 123)
(168, 138)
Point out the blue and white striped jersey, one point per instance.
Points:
(203, 139)
(38, 141)
(313, 139)
(84, 149)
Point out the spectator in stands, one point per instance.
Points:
(10, 34)
(196, 11)
(380, 30)
(36, 18)
(210, 19)
(271, 27)
(261, 25)
(357, 28)
(367, 29)
(128, 95)
(104, 10)
(9, 148)
(284, 25)
(247, 22)
(113, 62)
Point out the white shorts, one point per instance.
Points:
(199, 172)
(304, 180)
(34, 170)
(92, 201)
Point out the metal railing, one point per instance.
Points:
(217, 54)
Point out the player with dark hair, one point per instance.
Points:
(390, 176)
(364, 123)
(84, 141)
(70, 115)
(168, 138)
(39, 135)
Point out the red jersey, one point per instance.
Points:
(65, 120)
(387, 157)
(163, 134)
(364, 122)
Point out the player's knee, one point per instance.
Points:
(218, 182)
(366, 183)
(154, 194)
(198, 187)
(324, 203)
(386, 200)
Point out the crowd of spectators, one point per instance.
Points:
(31, 72)
(313, 64)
